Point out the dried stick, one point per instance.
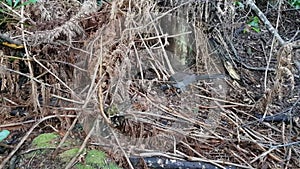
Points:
(71, 163)
(17, 124)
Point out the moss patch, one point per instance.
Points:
(68, 154)
(46, 140)
(96, 159)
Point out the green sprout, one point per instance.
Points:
(295, 3)
(18, 3)
(254, 24)
(239, 5)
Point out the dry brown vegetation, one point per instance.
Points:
(107, 67)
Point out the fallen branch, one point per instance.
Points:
(165, 163)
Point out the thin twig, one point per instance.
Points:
(17, 124)
(272, 46)
(83, 145)
(224, 101)
(67, 133)
(33, 83)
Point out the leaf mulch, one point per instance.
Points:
(98, 75)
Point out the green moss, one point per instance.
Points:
(45, 140)
(95, 157)
(68, 154)
(82, 166)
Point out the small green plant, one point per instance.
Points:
(7, 15)
(17, 4)
(295, 3)
(239, 5)
(254, 24)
